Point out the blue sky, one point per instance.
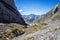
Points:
(37, 7)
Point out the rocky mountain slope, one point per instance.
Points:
(54, 13)
(9, 13)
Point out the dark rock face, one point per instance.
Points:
(57, 8)
(9, 13)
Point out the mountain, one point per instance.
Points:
(30, 18)
(54, 14)
(9, 13)
(36, 18)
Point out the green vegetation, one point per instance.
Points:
(43, 23)
(11, 32)
(52, 38)
(34, 28)
(32, 38)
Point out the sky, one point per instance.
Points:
(38, 7)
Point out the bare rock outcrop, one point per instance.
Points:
(9, 13)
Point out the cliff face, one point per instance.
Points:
(9, 13)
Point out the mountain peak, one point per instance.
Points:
(57, 5)
(56, 8)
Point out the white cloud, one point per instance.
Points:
(20, 10)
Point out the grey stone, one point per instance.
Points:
(9, 13)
